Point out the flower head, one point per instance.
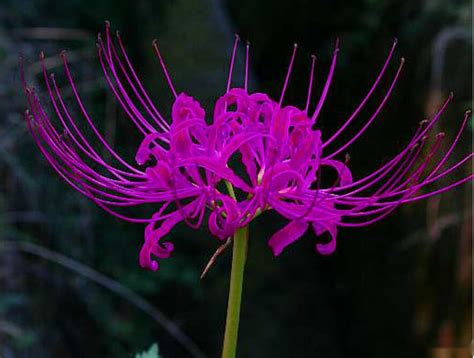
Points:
(252, 155)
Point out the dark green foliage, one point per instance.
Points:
(151, 353)
(389, 291)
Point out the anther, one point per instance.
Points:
(347, 158)
(107, 23)
(41, 55)
(288, 73)
(414, 146)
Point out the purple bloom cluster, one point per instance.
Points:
(254, 155)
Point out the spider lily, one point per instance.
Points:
(186, 166)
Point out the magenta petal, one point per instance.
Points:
(186, 107)
(224, 226)
(189, 160)
(320, 228)
(286, 236)
(279, 126)
(143, 153)
(345, 176)
(152, 244)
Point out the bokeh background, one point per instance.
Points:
(70, 284)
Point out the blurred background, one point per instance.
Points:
(70, 283)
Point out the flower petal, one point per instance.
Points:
(286, 236)
(345, 175)
(152, 244)
(319, 229)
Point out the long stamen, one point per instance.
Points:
(88, 118)
(76, 172)
(385, 169)
(374, 115)
(419, 134)
(232, 60)
(384, 211)
(79, 169)
(70, 171)
(319, 106)
(412, 179)
(132, 80)
(132, 113)
(111, 56)
(424, 183)
(86, 148)
(418, 172)
(134, 74)
(247, 54)
(288, 74)
(162, 63)
(369, 94)
(438, 191)
(310, 85)
(384, 205)
(467, 115)
(402, 169)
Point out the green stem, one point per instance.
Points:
(239, 255)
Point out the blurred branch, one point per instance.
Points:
(24, 217)
(440, 46)
(12, 135)
(438, 54)
(112, 285)
(52, 33)
(10, 329)
(56, 61)
(442, 223)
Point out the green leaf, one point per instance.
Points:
(151, 353)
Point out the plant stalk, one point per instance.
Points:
(239, 255)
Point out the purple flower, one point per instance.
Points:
(255, 155)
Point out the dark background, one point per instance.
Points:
(400, 288)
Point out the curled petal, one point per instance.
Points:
(286, 236)
(152, 245)
(279, 127)
(224, 220)
(217, 168)
(186, 107)
(320, 228)
(160, 173)
(345, 176)
(306, 144)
